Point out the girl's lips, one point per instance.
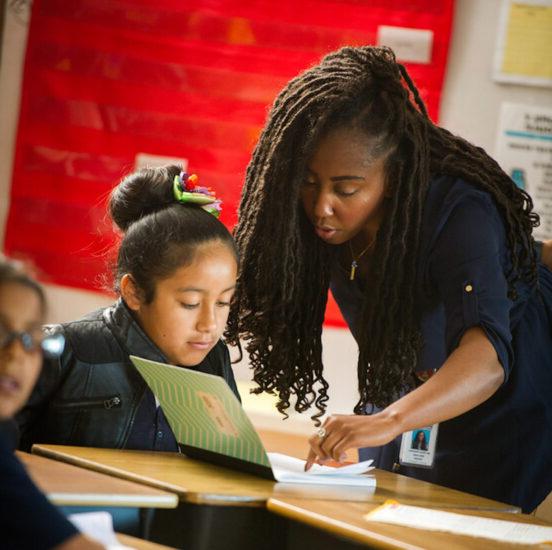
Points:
(8, 385)
(325, 233)
(200, 345)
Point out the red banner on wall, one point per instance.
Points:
(106, 80)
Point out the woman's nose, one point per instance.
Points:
(322, 207)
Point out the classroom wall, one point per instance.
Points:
(470, 107)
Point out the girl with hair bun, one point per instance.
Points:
(175, 275)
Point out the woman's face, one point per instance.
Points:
(20, 311)
(344, 191)
(188, 313)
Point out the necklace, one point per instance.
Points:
(354, 262)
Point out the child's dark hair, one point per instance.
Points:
(281, 296)
(160, 234)
(12, 271)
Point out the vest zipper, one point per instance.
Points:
(100, 402)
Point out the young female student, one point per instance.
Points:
(27, 519)
(426, 244)
(176, 272)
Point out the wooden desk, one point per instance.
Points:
(67, 485)
(345, 520)
(202, 483)
(193, 481)
(222, 509)
(140, 544)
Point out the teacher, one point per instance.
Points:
(427, 247)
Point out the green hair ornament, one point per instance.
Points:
(187, 191)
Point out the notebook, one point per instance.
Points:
(210, 424)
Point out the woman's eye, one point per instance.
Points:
(308, 183)
(223, 304)
(189, 306)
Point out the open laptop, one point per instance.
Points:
(210, 424)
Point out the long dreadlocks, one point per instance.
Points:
(279, 305)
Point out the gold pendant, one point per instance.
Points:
(354, 265)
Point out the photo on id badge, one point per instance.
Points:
(418, 447)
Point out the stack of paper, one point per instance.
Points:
(292, 470)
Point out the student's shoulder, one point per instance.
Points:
(90, 339)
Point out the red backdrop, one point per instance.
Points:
(107, 79)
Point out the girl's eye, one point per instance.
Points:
(308, 183)
(189, 306)
(223, 304)
(346, 192)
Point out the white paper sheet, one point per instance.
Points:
(98, 526)
(460, 524)
(292, 470)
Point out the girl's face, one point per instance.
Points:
(344, 191)
(20, 311)
(188, 313)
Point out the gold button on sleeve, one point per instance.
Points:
(468, 288)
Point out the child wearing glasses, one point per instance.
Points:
(27, 519)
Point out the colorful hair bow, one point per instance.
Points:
(187, 190)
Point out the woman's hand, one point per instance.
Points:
(342, 432)
(470, 375)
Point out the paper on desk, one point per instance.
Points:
(460, 524)
(98, 526)
(292, 470)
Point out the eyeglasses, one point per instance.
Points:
(51, 345)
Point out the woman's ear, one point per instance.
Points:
(130, 292)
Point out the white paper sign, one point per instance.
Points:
(412, 45)
(524, 152)
(147, 160)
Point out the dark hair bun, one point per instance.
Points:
(142, 193)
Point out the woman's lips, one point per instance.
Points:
(324, 232)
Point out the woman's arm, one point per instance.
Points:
(546, 254)
(470, 375)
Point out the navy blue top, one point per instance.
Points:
(501, 449)
(27, 519)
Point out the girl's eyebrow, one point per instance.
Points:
(345, 178)
(194, 289)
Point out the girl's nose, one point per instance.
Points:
(207, 321)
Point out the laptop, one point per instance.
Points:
(210, 424)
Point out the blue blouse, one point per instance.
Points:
(501, 449)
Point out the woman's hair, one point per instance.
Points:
(282, 290)
(160, 235)
(12, 271)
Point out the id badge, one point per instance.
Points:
(418, 447)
